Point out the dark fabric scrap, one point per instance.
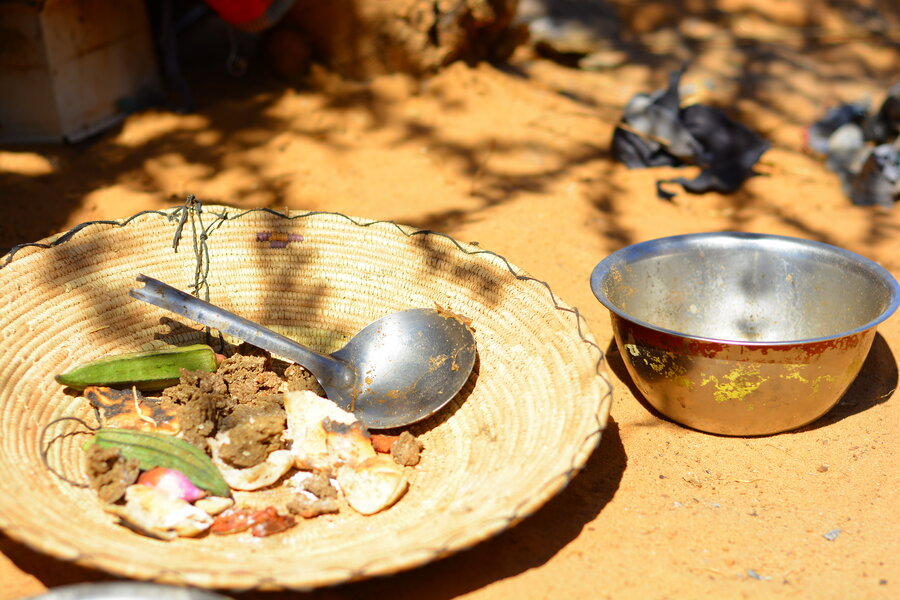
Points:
(661, 139)
(884, 126)
(656, 131)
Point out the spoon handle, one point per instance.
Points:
(325, 368)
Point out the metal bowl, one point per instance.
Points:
(739, 333)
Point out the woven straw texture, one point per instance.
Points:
(522, 427)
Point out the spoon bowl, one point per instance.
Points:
(396, 371)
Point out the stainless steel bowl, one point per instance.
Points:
(740, 333)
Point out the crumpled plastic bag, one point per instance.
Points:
(655, 130)
(862, 148)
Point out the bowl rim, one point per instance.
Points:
(604, 267)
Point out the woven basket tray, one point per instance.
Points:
(524, 424)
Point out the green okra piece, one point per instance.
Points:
(148, 371)
(152, 449)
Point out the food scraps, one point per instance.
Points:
(253, 432)
(381, 442)
(130, 409)
(155, 513)
(190, 462)
(172, 482)
(404, 448)
(152, 449)
(317, 495)
(214, 505)
(310, 508)
(261, 523)
(372, 485)
(110, 472)
(259, 476)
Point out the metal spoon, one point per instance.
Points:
(396, 371)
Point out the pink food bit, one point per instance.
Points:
(172, 482)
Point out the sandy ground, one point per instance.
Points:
(517, 159)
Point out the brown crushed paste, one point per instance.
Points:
(254, 418)
(109, 472)
(254, 430)
(406, 450)
(242, 386)
(325, 501)
(248, 376)
(298, 379)
(195, 402)
(320, 486)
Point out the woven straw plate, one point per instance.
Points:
(524, 424)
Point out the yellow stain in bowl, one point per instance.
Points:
(665, 364)
(742, 381)
(814, 385)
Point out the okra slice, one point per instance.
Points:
(148, 371)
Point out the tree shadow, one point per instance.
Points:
(657, 35)
(875, 384)
(617, 367)
(753, 62)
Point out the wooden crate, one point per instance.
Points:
(72, 68)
